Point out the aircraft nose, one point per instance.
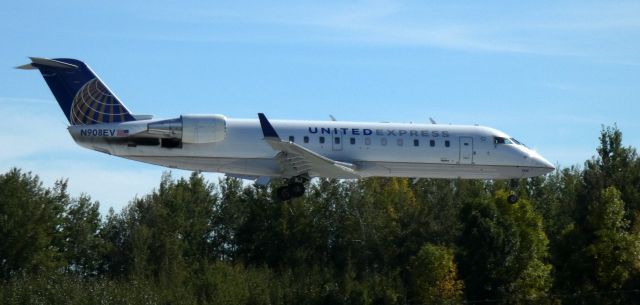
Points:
(540, 161)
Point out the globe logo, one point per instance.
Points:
(94, 104)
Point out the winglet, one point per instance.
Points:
(267, 129)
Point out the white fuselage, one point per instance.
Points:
(377, 149)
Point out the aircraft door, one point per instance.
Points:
(466, 150)
(336, 139)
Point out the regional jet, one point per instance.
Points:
(294, 151)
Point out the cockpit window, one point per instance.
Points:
(501, 140)
(515, 141)
(518, 142)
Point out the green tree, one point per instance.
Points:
(165, 233)
(439, 202)
(115, 259)
(614, 165)
(503, 252)
(82, 247)
(594, 254)
(30, 216)
(614, 252)
(434, 277)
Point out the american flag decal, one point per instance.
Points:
(122, 133)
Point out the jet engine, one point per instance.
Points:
(192, 129)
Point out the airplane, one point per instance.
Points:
(293, 151)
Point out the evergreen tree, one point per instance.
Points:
(600, 220)
(615, 165)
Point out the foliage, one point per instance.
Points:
(29, 217)
(434, 278)
(503, 251)
(573, 238)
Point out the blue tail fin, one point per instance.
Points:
(83, 97)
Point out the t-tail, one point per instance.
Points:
(83, 97)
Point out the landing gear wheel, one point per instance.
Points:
(513, 187)
(283, 193)
(296, 189)
(514, 184)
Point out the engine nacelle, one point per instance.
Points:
(206, 128)
(192, 128)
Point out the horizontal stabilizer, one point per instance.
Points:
(142, 117)
(45, 62)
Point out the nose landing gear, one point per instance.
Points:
(513, 186)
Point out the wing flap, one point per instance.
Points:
(297, 160)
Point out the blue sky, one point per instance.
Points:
(548, 73)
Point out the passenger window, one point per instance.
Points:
(321, 140)
(352, 141)
(367, 141)
(400, 142)
(336, 140)
(447, 143)
(306, 139)
(383, 141)
(416, 142)
(432, 143)
(291, 139)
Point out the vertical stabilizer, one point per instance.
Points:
(83, 97)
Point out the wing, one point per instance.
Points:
(297, 160)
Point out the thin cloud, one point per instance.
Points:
(554, 31)
(46, 131)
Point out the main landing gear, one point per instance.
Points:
(513, 186)
(294, 188)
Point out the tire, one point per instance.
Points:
(283, 193)
(512, 199)
(296, 189)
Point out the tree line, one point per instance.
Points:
(573, 238)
